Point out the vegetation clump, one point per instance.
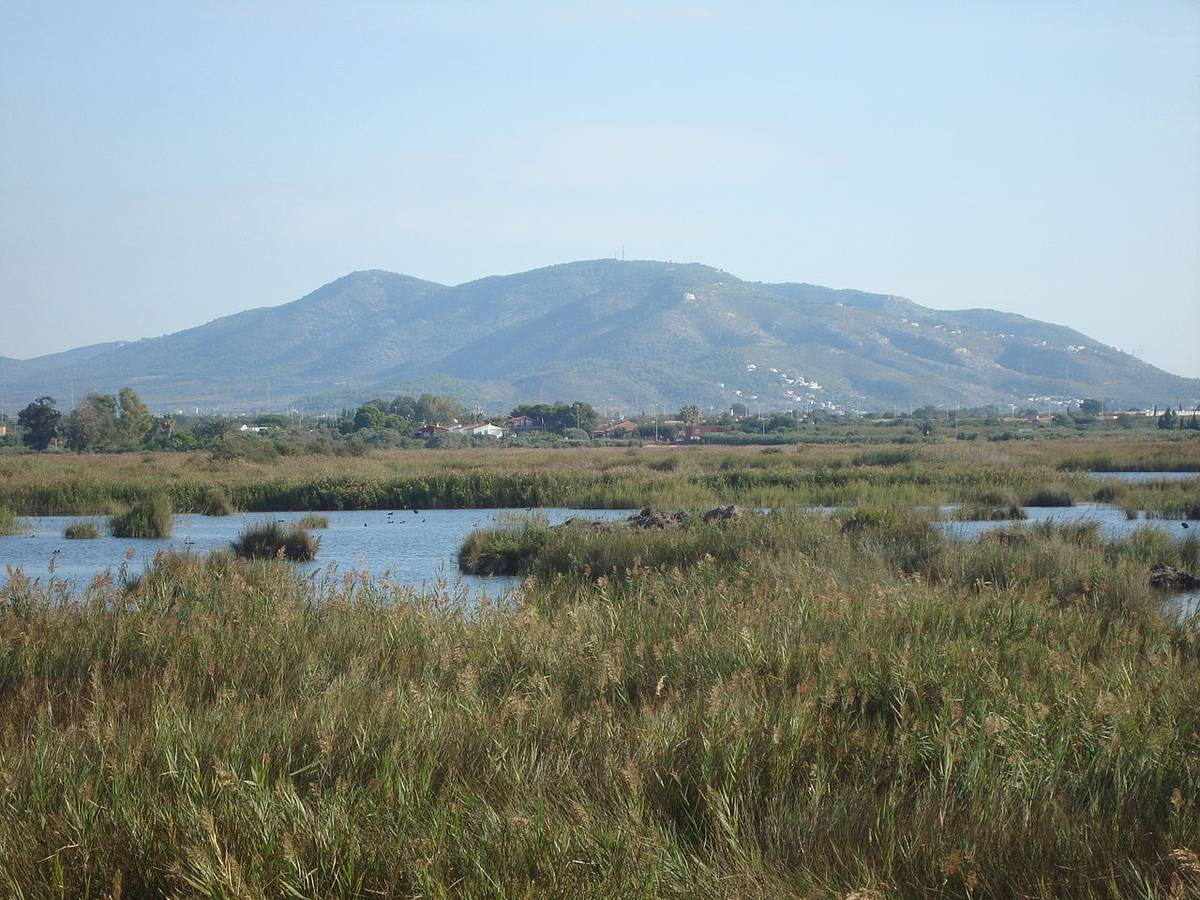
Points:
(883, 457)
(1050, 497)
(587, 549)
(9, 523)
(77, 531)
(313, 521)
(146, 518)
(215, 502)
(272, 540)
(979, 512)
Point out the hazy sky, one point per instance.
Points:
(162, 164)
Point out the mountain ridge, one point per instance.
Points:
(637, 331)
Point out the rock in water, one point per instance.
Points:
(1168, 578)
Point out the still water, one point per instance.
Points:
(1111, 519)
(1139, 477)
(418, 549)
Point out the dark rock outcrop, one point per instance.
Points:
(1168, 578)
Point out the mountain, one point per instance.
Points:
(607, 331)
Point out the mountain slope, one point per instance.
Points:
(604, 330)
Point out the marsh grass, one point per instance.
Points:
(892, 456)
(81, 531)
(684, 477)
(313, 521)
(272, 540)
(147, 518)
(822, 712)
(9, 523)
(1050, 497)
(981, 512)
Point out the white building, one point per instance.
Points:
(485, 429)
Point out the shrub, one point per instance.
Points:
(77, 531)
(271, 540)
(149, 518)
(1050, 497)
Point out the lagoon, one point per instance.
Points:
(418, 549)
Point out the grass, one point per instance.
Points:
(77, 531)
(313, 521)
(791, 705)
(1050, 497)
(147, 518)
(271, 540)
(608, 550)
(9, 524)
(683, 477)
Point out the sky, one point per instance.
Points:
(163, 164)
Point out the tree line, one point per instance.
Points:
(99, 422)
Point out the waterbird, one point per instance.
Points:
(1184, 524)
(416, 512)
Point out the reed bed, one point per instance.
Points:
(272, 540)
(792, 705)
(81, 531)
(686, 477)
(149, 517)
(9, 523)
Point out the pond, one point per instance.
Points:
(1139, 477)
(1111, 519)
(415, 549)
(1184, 605)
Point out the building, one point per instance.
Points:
(522, 424)
(481, 429)
(623, 429)
(697, 432)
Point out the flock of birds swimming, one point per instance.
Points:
(391, 521)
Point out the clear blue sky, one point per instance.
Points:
(162, 164)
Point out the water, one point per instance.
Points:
(1140, 477)
(1184, 605)
(418, 550)
(1111, 519)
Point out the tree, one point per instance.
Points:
(368, 417)
(558, 417)
(136, 421)
(584, 416)
(434, 410)
(1091, 407)
(94, 424)
(1167, 419)
(403, 406)
(41, 421)
(690, 414)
